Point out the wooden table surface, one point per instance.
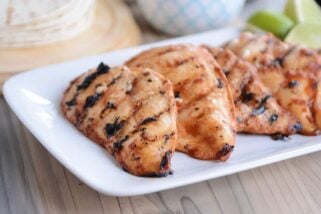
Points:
(32, 181)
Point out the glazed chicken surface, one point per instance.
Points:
(206, 117)
(292, 73)
(257, 111)
(131, 112)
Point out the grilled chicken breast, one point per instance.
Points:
(257, 111)
(292, 73)
(206, 118)
(131, 112)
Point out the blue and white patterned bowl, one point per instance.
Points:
(179, 17)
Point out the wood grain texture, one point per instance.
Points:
(32, 181)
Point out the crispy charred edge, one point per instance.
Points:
(224, 152)
(73, 101)
(280, 136)
(158, 174)
(90, 100)
(164, 164)
(101, 69)
(154, 174)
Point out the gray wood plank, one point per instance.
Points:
(13, 169)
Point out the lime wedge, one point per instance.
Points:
(277, 23)
(305, 34)
(303, 11)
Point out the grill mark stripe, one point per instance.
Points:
(100, 70)
(125, 120)
(182, 62)
(133, 84)
(76, 93)
(138, 128)
(83, 114)
(149, 120)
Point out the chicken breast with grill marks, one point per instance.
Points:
(291, 72)
(206, 117)
(257, 112)
(131, 112)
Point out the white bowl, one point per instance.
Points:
(179, 17)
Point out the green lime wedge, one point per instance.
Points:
(303, 11)
(305, 34)
(277, 23)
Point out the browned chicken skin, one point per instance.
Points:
(206, 120)
(291, 72)
(257, 112)
(131, 112)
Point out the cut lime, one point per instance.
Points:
(303, 11)
(277, 23)
(305, 34)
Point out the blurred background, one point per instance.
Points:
(36, 33)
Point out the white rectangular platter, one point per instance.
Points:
(35, 96)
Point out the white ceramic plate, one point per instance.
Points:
(35, 96)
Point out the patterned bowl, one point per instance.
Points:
(179, 17)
